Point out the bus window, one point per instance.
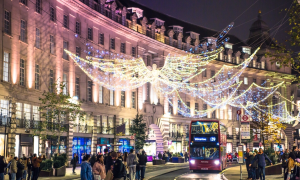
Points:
(205, 128)
(205, 152)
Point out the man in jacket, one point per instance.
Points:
(117, 167)
(13, 168)
(108, 161)
(36, 163)
(285, 158)
(74, 162)
(86, 169)
(2, 167)
(247, 158)
(25, 163)
(131, 163)
(159, 156)
(261, 156)
(143, 161)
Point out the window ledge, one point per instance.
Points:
(23, 42)
(54, 55)
(37, 13)
(10, 36)
(24, 5)
(67, 29)
(36, 48)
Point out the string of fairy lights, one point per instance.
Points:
(181, 76)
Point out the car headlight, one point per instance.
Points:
(217, 162)
(192, 161)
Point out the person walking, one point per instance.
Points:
(2, 167)
(284, 159)
(261, 156)
(143, 163)
(25, 163)
(36, 163)
(99, 168)
(13, 168)
(138, 168)
(86, 169)
(186, 157)
(159, 156)
(131, 163)
(20, 167)
(118, 167)
(74, 162)
(247, 158)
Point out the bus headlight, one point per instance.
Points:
(217, 162)
(192, 161)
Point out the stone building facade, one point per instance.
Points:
(34, 34)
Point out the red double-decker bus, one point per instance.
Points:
(207, 145)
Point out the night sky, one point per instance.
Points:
(217, 14)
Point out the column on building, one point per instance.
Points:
(70, 139)
(144, 25)
(229, 55)
(140, 99)
(133, 19)
(12, 131)
(59, 47)
(238, 57)
(94, 135)
(166, 106)
(15, 46)
(30, 63)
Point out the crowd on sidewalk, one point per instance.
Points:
(20, 168)
(112, 166)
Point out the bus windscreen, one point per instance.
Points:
(205, 152)
(205, 128)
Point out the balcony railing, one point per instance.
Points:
(82, 128)
(31, 124)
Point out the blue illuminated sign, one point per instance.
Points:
(213, 139)
(200, 139)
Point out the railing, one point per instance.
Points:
(82, 128)
(31, 124)
(229, 136)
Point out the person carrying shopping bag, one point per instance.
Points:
(99, 168)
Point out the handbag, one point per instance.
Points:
(97, 177)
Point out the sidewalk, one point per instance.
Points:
(234, 174)
(151, 171)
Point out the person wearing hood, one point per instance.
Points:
(261, 156)
(86, 169)
(143, 162)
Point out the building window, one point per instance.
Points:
(36, 113)
(65, 45)
(148, 60)
(101, 39)
(188, 104)
(22, 72)
(23, 31)
(7, 22)
(196, 106)
(133, 99)
(90, 34)
(37, 38)
(204, 73)
(23, 2)
(263, 83)
(65, 83)
(205, 108)
(123, 98)
(51, 81)
(221, 114)
(254, 80)
(112, 43)
(111, 97)
(123, 48)
(77, 28)
(27, 111)
(66, 21)
(4, 107)
(89, 91)
(19, 110)
(133, 52)
(52, 14)
(245, 80)
(37, 76)
(78, 51)
(77, 88)
(38, 6)
(100, 94)
(52, 44)
(213, 114)
(229, 114)
(6, 67)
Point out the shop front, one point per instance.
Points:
(3, 140)
(150, 149)
(52, 146)
(103, 143)
(174, 146)
(81, 146)
(124, 145)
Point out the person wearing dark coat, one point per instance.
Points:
(247, 158)
(2, 167)
(20, 167)
(284, 159)
(108, 162)
(143, 162)
(254, 167)
(261, 156)
(138, 169)
(159, 156)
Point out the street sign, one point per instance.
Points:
(239, 112)
(241, 154)
(245, 118)
(245, 130)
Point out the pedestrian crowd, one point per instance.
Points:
(112, 166)
(20, 168)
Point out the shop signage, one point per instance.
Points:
(241, 154)
(205, 139)
(245, 118)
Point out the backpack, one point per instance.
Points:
(123, 171)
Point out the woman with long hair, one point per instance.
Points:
(99, 168)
